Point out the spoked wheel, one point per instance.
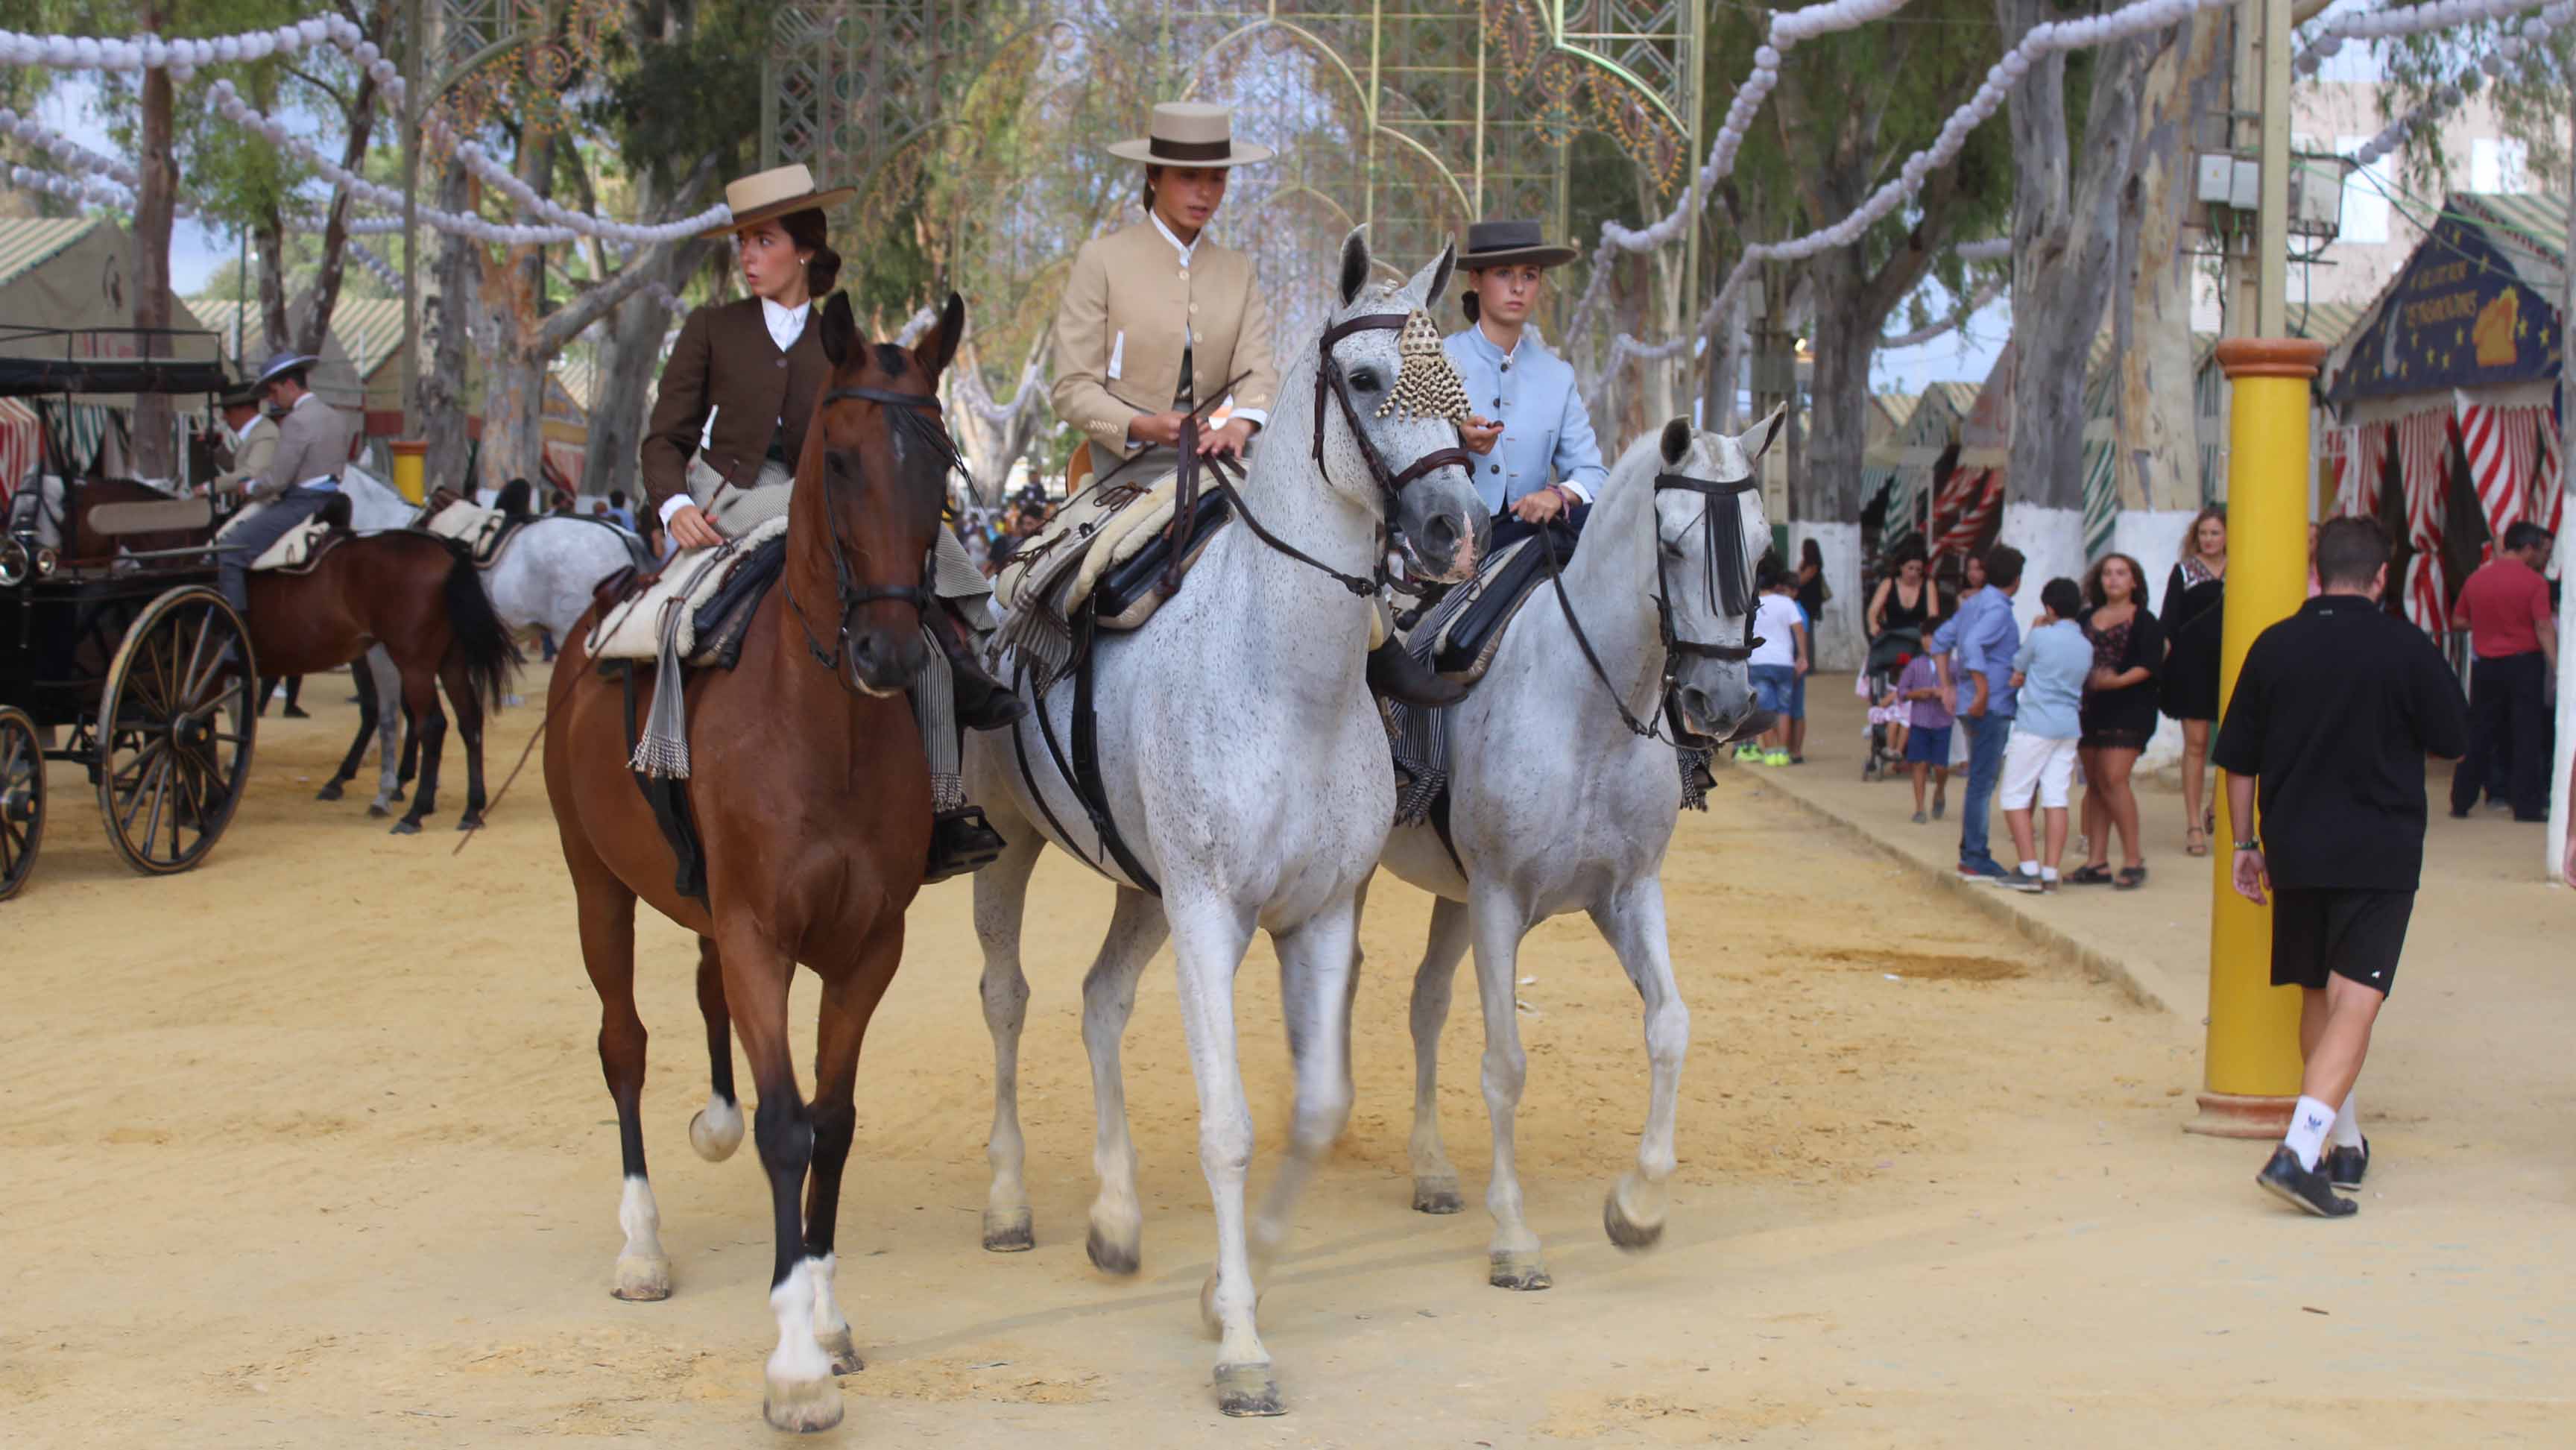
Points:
(174, 730)
(22, 799)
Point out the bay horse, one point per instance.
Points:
(413, 593)
(1246, 768)
(811, 796)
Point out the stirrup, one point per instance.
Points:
(961, 841)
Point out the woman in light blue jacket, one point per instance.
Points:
(1537, 459)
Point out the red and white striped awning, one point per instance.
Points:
(22, 444)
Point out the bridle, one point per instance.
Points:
(1391, 484)
(1729, 589)
(851, 597)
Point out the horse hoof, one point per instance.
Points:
(1247, 1389)
(716, 1138)
(397, 796)
(377, 812)
(1110, 1256)
(406, 827)
(844, 1353)
(802, 1408)
(642, 1281)
(1523, 1272)
(1626, 1232)
(470, 821)
(329, 792)
(1008, 1233)
(1437, 1195)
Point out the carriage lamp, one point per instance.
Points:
(15, 563)
(46, 559)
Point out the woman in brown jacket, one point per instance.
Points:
(728, 424)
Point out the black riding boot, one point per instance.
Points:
(983, 703)
(960, 841)
(1407, 681)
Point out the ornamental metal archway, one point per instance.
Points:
(1413, 116)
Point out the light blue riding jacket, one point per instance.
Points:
(1547, 434)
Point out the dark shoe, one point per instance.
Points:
(1983, 870)
(298, 712)
(2130, 878)
(960, 841)
(983, 703)
(1408, 681)
(2346, 1165)
(2090, 875)
(2305, 1189)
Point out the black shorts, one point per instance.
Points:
(2322, 931)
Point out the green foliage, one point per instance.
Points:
(2532, 100)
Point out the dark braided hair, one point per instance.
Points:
(808, 229)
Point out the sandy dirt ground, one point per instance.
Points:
(309, 1147)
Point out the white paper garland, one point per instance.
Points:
(2388, 23)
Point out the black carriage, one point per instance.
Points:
(130, 664)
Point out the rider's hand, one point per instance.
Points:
(1478, 435)
(1226, 442)
(1539, 507)
(1160, 429)
(690, 530)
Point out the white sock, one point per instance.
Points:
(2307, 1136)
(2030, 868)
(2347, 1124)
(2047, 873)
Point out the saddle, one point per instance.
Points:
(1458, 633)
(483, 532)
(300, 549)
(1106, 553)
(707, 595)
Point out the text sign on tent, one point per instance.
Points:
(2458, 317)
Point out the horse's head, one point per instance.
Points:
(1710, 530)
(880, 457)
(1388, 404)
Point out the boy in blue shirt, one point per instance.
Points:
(2048, 676)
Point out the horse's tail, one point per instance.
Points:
(481, 639)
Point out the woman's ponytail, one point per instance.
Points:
(822, 270)
(807, 230)
(1468, 304)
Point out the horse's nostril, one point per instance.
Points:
(1440, 535)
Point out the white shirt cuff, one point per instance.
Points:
(674, 504)
(1257, 417)
(1581, 494)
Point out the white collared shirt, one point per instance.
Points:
(1257, 417)
(786, 324)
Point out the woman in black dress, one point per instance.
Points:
(1903, 599)
(2118, 715)
(2195, 600)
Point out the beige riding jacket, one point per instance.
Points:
(1133, 304)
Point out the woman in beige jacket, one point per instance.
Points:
(1157, 319)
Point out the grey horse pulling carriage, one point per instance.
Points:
(120, 663)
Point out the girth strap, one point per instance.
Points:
(1088, 782)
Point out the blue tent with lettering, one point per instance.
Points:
(2446, 391)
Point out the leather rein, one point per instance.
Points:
(849, 594)
(1676, 648)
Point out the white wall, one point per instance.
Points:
(1838, 634)
(2052, 546)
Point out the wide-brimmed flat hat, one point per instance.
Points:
(774, 193)
(1191, 133)
(238, 394)
(1509, 244)
(280, 363)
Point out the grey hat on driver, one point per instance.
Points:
(282, 362)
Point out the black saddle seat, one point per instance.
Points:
(1120, 588)
(1501, 598)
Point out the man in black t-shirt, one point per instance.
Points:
(2333, 714)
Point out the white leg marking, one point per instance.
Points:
(643, 1272)
(802, 1395)
(716, 1129)
(831, 1328)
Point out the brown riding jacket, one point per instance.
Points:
(726, 360)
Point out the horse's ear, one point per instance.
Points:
(1768, 430)
(1676, 442)
(840, 337)
(939, 346)
(1432, 282)
(1355, 264)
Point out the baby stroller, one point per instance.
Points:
(1889, 654)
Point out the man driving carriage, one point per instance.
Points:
(302, 475)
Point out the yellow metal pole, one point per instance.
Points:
(2253, 1056)
(410, 465)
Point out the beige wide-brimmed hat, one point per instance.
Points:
(1191, 133)
(765, 194)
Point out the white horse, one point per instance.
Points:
(1558, 804)
(1247, 771)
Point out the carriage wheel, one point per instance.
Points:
(22, 799)
(174, 730)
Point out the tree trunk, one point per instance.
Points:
(629, 352)
(448, 314)
(1722, 366)
(2157, 453)
(514, 381)
(275, 331)
(155, 201)
(335, 227)
(1824, 494)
